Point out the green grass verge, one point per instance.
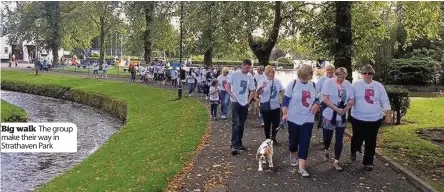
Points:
(159, 136)
(111, 70)
(12, 113)
(405, 146)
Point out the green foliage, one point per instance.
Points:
(284, 60)
(12, 113)
(125, 155)
(413, 71)
(406, 145)
(399, 101)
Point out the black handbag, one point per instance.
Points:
(265, 106)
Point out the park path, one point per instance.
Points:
(215, 169)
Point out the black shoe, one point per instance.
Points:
(353, 156)
(242, 148)
(234, 152)
(368, 167)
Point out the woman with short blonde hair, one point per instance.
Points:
(270, 109)
(337, 95)
(299, 106)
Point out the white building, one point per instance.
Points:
(25, 51)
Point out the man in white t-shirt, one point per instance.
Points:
(238, 86)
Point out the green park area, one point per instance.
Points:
(11, 113)
(418, 143)
(160, 134)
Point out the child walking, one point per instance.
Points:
(214, 97)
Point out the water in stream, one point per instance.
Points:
(26, 171)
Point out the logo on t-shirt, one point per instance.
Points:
(243, 85)
(368, 94)
(305, 95)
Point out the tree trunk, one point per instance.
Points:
(102, 42)
(52, 9)
(344, 35)
(263, 50)
(208, 58)
(148, 44)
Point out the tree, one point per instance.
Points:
(105, 16)
(150, 27)
(52, 14)
(285, 16)
(344, 36)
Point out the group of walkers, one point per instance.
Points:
(331, 97)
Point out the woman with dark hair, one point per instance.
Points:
(370, 98)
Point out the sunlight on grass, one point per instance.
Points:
(146, 152)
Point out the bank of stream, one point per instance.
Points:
(26, 171)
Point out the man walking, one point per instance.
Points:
(238, 86)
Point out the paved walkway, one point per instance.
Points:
(215, 169)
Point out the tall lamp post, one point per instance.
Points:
(36, 62)
(180, 52)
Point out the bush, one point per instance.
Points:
(413, 71)
(284, 60)
(399, 101)
(110, 105)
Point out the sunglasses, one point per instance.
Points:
(365, 73)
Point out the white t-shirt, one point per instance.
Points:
(302, 99)
(320, 83)
(223, 80)
(173, 74)
(332, 89)
(370, 99)
(192, 78)
(95, 66)
(239, 83)
(214, 95)
(104, 66)
(258, 77)
(265, 96)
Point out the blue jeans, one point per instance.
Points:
(299, 137)
(240, 114)
(191, 87)
(225, 99)
(261, 118)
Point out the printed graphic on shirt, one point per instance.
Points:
(305, 95)
(368, 94)
(273, 92)
(224, 82)
(243, 85)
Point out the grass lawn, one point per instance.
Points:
(150, 148)
(402, 143)
(12, 113)
(111, 70)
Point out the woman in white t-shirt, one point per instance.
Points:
(337, 95)
(370, 99)
(269, 90)
(192, 79)
(299, 106)
(105, 70)
(224, 97)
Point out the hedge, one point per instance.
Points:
(110, 105)
(399, 101)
